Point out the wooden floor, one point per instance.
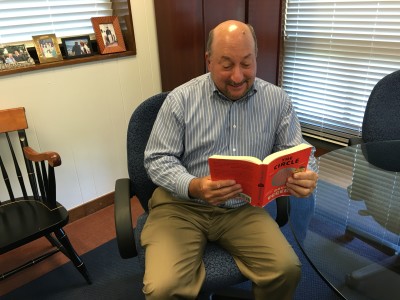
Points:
(85, 234)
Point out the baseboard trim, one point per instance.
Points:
(91, 207)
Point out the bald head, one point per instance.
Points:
(231, 30)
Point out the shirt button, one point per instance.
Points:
(234, 149)
(234, 126)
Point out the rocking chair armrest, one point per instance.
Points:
(52, 157)
(123, 219)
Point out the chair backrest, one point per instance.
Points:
(382, 113)
(139, 129)
(38, 168)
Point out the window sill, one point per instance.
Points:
(67, 62)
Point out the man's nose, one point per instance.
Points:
(237, 75)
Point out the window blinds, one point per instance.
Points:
(21, 19)
(334, 53)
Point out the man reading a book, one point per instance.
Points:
(228, 111)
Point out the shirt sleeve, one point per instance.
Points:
(164, 149)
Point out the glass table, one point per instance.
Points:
(349, 229)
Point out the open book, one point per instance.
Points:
(261, 181)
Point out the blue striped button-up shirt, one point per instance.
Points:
(197, 121)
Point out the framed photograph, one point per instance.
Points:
(15, 56)
(47, 48)
(77, 46)
(108, 34)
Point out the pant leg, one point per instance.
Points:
(174, 244)
(260, 250)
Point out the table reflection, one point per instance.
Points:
(373, 184)
(384, 155)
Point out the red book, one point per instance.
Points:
(261, 181)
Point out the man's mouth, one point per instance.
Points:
(236, 85)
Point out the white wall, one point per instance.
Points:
(82, 111)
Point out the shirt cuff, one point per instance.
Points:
(182, 185)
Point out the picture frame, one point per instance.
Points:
(77, 46)
(47, 48)
(108, 34)
(14, 57)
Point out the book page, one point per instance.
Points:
(251, 159)
(275, 155)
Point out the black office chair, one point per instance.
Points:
(32, 211)
(221, 269)
(382, 113)
(380, 123)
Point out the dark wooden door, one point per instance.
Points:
(180, 37)
(265, 17)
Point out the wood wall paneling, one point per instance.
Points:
(218, 11)
(265, 17)
(180, 37)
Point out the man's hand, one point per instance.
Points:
(302, 184)
(214, 192)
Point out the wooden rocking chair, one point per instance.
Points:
(31, 212)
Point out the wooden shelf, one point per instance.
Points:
(67, 62)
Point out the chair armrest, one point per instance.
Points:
(52, 157)
(123, 219)
(355, 141)
(282, 210)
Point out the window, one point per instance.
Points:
(334, 53)
(21, 19)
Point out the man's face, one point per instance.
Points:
(232, 64)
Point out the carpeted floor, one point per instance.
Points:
(115, 278)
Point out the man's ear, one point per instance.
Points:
(207, 56)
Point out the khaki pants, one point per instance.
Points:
(177, 231)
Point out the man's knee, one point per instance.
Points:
(161, 289)
(292, 272)
(289, 266)
(173, 285)
(279, 283)
(285, 271)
